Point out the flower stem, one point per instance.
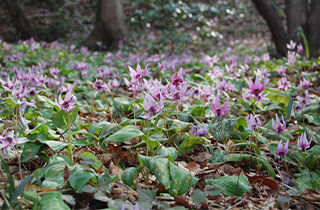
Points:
(16, 131)
(202, 113)
(109, 110)
(70, 140)
(134, 110)
(147, 154)
(177, 110)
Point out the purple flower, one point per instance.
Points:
(179, 94)
(151, 106)
(253, 122)
(303, 102)
(260, 97)
(262, 73)
(177, 78)
(292, 56)
(113, 83)
(256, 88)
(138, 75)
(24, 103)
(201, 130)
(8, 141)
(282, 149)
(156, 92)
(32, 92)
(69, 101)
(305, 83)
(206, 92)
(217, 109)
(246, 94)
(99, 85)
(279, 126)
(303, 143)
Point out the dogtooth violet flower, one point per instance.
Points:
(217, 109)
(282, 149)
(303, 142)
(305, 83)
(279, 126)
(201, 130)
(69, 101)
(99, 85)
(256, 88)
(303, 101)
(253, 122)
(9, 141)
(177, 78)
(137, 74)
(150, 105)
(179, 94)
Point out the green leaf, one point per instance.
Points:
(277, 97)
(147, 195)
(188, 144)
(214, 190)
(248, 144)
(217, 156)
(56, 145)
(159, 167)
(128, 175)
(78, 178)
(227, 127)
(233, 185)
(60, 120)
(165, 151)
(20, 188)
(124, 134)
(10, 177)
(30, 150)
(96, 164)
(53, 201)
(199, 197)
(289, 109)
(281, 200)
(182, 180)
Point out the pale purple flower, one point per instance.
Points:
(292, 56)
(283, 84)
(201, 130)
(211, 60)
(266, 57)
(215, 73)
(303, 101)
(131, 85)
(113, 83)
(256, 88)
(300, 48)
(158, 89)
(253, 122)
(54, 71)
(177, 78)
(281, 70)
(137, 75)
(23, 122)
(279, 126)
(19, 92)
(197, 92)
(9, 141)
(246, 94)
(24, 103)
(69, 101)
(32, 92)
(99, 85)
(262, 73)
(291, 45)
(206, 92)
(303, 142)
(217, 109)
(245, 68)
(282, 149)
(179, 94)
(151, 106)
(8, 85)
(305, 83)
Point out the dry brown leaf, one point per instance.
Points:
(263, 180)
(181, 201)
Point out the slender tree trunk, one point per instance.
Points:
(314, 29)
(267, 9)
(109, 27)
(297, 16)
(20, 21)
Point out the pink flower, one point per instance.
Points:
(9, 141)
(291, 45)
(281, 70)
(282, 149)
(138, 75)
(283, 84)
(201, 130)
(256, 88)
(305, 83)
(99, 85)
(177, 78)
(217, 109)
(69, 101)
(300, 48)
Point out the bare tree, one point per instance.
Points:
(300, 15)
(109, 27)
(20, 21)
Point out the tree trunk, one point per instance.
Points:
(314, 29)
(267, 9)
(109, 27)
(297, 16)
(20, 21)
